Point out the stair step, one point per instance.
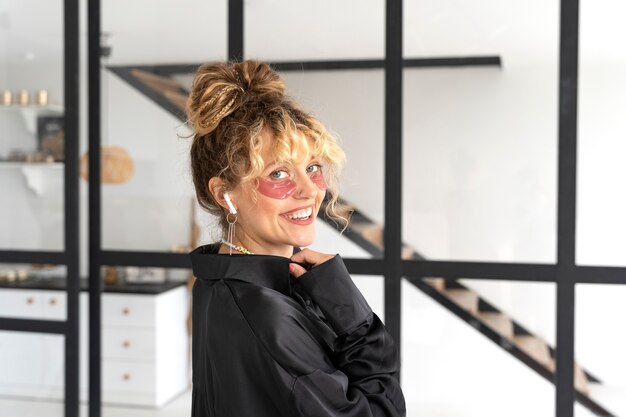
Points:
(467, 299)
(535, 348)
(438, 283)
(157, 82)
(373, 234)
(498, 321)
(407, 252)
(580, 379)
(581, 383)
(179, 100)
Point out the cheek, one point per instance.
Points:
(278, 190)
(266, 210)
(318, 179)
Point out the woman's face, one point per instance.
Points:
(288, 198)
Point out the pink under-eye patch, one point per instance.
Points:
(318, 179)
(279, 190)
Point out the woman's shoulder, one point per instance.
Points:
(272, 300)
(281, 324)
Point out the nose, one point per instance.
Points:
(307, 189)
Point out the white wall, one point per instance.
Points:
(152, 210)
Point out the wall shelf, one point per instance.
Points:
(36, 174)
(20, 164)
(53, 108)
(29, 113)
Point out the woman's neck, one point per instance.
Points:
(252, 247)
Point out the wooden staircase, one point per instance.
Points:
(499, 322)
(460, 300)
(467, 304)
(162, 89)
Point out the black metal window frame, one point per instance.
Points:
(69, 256)
(564, 273)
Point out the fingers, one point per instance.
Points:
(296, 270)
(309, 257)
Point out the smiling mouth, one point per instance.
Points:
(302, 214)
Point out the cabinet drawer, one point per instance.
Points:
(33, 304)
(119, 343)
(128, 376)
(54, 305)
(128, 310)
(20, 304)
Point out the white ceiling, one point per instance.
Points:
(30, 30)
(172, 31)
(150, 31)
(320, 29)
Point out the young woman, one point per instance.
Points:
(277, 331)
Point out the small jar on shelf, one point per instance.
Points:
(6, 97)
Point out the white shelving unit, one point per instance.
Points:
(36, 174)
(29, 113)
(38, 165)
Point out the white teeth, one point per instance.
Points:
(301, 214)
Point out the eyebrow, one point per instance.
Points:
(278, 162)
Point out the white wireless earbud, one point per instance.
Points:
(232, 208)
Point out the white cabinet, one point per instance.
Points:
(31, 364)
(145, 351)
(21, 362)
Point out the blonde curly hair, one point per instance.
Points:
(230, 106)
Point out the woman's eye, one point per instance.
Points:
(314, 168)
(279, 174)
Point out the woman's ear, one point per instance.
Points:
(217, 188)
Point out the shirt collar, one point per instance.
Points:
(264, 270)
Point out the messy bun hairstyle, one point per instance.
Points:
(229, 107)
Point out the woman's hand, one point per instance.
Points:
(309, 257)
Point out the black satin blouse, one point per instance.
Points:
(268, 344)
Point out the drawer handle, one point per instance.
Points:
(53, 301)
(126, 377)
(30, 300)
(126, 344)
(126, 311)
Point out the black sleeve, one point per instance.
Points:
(365, 382)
